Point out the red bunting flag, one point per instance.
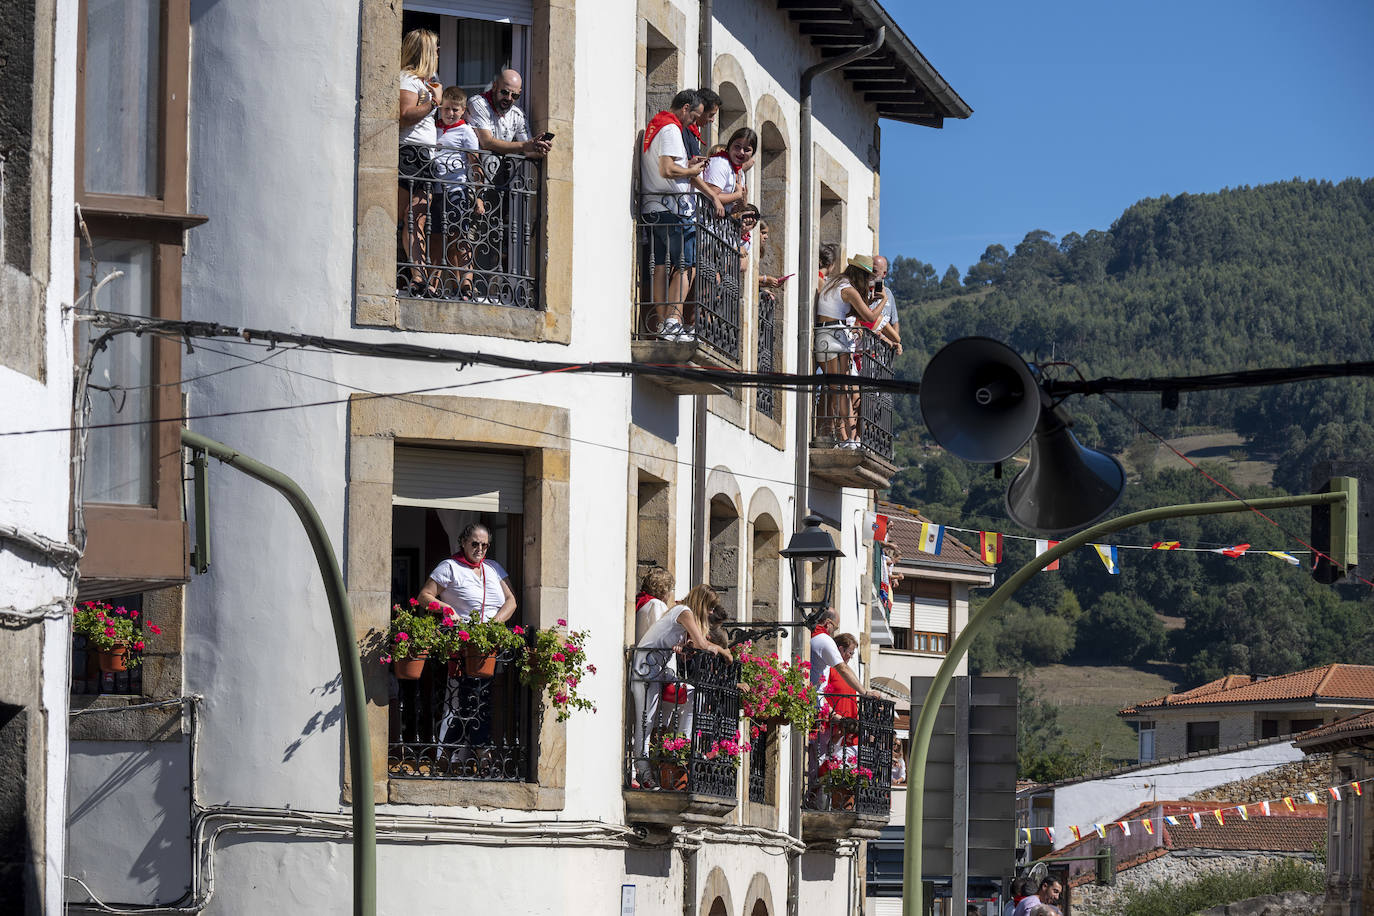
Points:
(1264, 806)
(1355, 787)
(1041, 547)
(1125, 827)
(1335, 793)
(1164, 545)
(1235, 551)
(990, 546)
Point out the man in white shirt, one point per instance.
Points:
(826, 655)
(666, 212)
(882, 293)
(500, 124)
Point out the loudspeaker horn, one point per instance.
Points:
(979, 399)
(1066, 487)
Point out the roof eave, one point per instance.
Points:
(942, 92)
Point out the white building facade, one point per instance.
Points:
(216, 777)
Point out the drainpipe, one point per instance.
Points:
(350, 666)
(700, 404)
(806, 253)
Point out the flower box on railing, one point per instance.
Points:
(683, 750)
(849, 772)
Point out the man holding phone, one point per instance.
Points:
(500, 123)
(881, 296)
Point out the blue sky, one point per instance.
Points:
(1082, 108)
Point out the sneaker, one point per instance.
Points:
(850, 443)
(672, 330)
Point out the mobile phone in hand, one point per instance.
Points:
(786, 278)
(546, 137)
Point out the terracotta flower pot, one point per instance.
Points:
(477, 664)
(770, 721)
(409, 669)
(841, 800)
(672, 777)
(113, 660)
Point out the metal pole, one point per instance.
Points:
(925, 725)
(350, 665)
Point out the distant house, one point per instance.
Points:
(1350, 821)
(1143, 858)
(1239, 708)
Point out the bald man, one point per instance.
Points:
(500, 123)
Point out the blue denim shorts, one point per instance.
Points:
(671, 240)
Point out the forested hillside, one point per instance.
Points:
(1279, 275)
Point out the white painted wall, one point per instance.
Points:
(1101, 800)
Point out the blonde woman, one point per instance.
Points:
(843, 299)
(420, 94)
(686, 624)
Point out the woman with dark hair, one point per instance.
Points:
(469, 583)
(419, 99)
(724, 169)
(842, 301)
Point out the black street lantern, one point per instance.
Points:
(812, 549)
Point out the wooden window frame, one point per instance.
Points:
(132, 547)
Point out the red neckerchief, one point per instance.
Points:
(660, 121)
(482, 565)
(695, 130)
(725, 154)
(642, 599)
(744, 238)
(448, 127)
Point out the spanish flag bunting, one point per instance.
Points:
(1264, 807)
(1244, 813)
(1042, 546)
(1171, 820)
(1076, 834)
(1288, 802)
(1108, 554)
(1149, 828)
(1335, 793)
(1235, 551)
(1311, 797)
(1101, 830)
(1125, 827)
(1355, 787)
(990, 546)
(1164, 545)
(1196, 819)
(1285, 557)
(1220, 818)
(932, 537)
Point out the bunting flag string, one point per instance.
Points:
(1263, 808)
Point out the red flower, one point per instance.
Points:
(562, 622)
(464, 635)
(414, 602)
(591, 669)
(518, 631)
(559, 657)
(109, 631)
(432, 606)
(139, 645)
(157, 630)
(133, 615)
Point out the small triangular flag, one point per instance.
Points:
(1220, 818)
(1285, 557)
(1125, 827)
(1025, 834)
(1235, 551)
(1171, 820)
(1149, 828)
(1355, 787)
(1101, 830)
(1244, 813)
(1311, 797)
(1196, 819)
(990, 546)
(1335, 793)
(1164, 545)
(1041, 547)
(1076, 834)
(1108, 554)
(1288, 802)
(1264, 806)
(1049, 833)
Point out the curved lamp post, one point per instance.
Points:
(913, 890)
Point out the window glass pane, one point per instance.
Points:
(120, 461)
(122, 78)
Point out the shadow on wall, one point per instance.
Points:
(320, 721)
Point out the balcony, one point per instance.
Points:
(447, 725)
(687, 308)
(851, 435)
(469, 232)
(849, 770)
(682, 706)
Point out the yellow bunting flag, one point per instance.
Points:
(1244, 814)
(1076, 835)
(1101, 830)
(1355, 787)
(1164, 545)
(1285, 557)
(1171, 820)
(1109, 559)
(990, 545)
(1311, 797)
(1288, 802)
(1149, 828)
(1218, 815)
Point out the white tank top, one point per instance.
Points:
(832, 304)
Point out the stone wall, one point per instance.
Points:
(1091, 900)
(1292, 779)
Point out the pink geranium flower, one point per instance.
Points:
(157, 630)
(518, 631)
(139, 645)
(562, 622)
(464, 635)
(385, 659)
(559, 657)
(402, 636)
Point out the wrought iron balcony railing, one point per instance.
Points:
(766, 400)
(849, 766)
(853, 416)
(684, 722)
(451, 726)
(467, 227)
(689, 261)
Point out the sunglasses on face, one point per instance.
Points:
(506, 92)
(478, 545)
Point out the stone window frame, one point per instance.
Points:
(541, 434)
(553, 40)
(656, 459)
(763, 503)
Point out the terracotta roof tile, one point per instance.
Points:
(1277, 833)
(904, 533)
(1347, 682)
(1341, 728)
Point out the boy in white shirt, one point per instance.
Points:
(458, 170)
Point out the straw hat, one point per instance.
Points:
(863, 262)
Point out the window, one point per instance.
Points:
(1269, 728)
(472, 238)
(131, 171)
(1147, 741)
(446, 725)
(1203, 736)
(1302, 725)
(920, 616)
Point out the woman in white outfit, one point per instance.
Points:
(842, 301)
(686, 624)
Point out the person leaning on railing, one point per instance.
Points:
(842, 300)
(652, 601)
(419, 99)
(456, 202)
(655, 669)
(666, 211)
